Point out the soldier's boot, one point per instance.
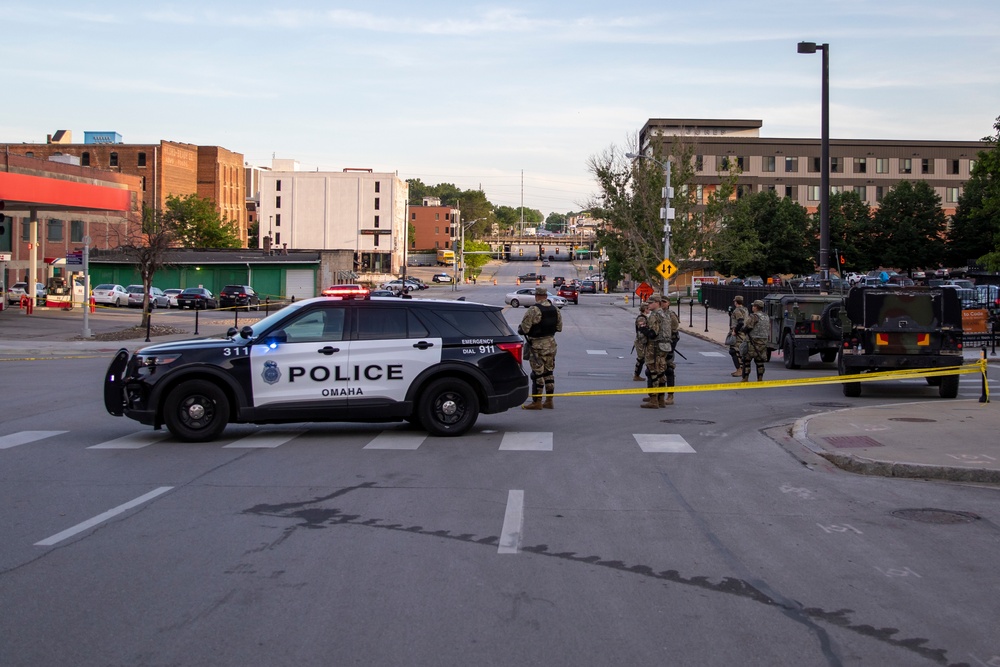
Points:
(736, 373)
(637, 378)
(536, 404)
(547, 403)
(661, 401)
(760, 375)
(668, 401)
(653, 402)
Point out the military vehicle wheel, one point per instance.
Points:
(789, 351)
(828, 356)
(851, 389)
(934, 381)
(829, 321)
(196, 411)
(949, 386)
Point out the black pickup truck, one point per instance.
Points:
(532, 277)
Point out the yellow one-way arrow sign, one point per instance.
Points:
(666, 269)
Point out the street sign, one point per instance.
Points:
(74, 258)
(643, 291)
(666, 269)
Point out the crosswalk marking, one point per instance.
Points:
(663, 443)
(264, 440)
(24, 437)
(133, 441)
(597, 351)
(526, 441)
(713, 354)
(396, 440)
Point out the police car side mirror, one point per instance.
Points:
(231, 332)
(246, 333)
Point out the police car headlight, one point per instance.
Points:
(150, 360)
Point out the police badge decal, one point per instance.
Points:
(271, 373)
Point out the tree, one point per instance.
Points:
(851, 230)
(764, 235)
(475, 263)
(556, 222)
(146, 243)
(975, 230)
(909, 227)
(196, 223)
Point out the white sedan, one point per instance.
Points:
(111, 295)
(526, 297)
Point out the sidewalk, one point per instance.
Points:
(935, 439)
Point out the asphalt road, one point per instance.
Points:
(597, 533)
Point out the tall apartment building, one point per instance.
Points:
(356, 209)
(791, 167)
(166, 168)
(433, 225)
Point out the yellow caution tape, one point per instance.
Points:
(978, 367)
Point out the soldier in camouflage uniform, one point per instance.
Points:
(659, 330)
(675, 333)
(640, 342)
(737, 316)
(754, 348)
(539, 327)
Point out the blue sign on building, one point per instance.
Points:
(102, 138)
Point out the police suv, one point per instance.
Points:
(435, 363)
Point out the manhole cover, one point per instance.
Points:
(830, 405)
(699, 422)
(931, 515)
(911, 419)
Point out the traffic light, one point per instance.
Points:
(842, 260)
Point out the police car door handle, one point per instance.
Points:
(423, 345)
(328, 350)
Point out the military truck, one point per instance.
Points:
(803, 325)
(888, 328)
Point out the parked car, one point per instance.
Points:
(239, 296)
(852, 278)
(557, 281)
(172, 295)
(525, 296)
(442, 278)
(415, 282)
(197, 298)
(109, 294)
(397, 286)
(382, 292)
(17, 290)
(588, 286)
(570, 293)
(157, 299)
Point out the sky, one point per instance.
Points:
(509, 97)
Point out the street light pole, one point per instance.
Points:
(824, 177)
(666, 213)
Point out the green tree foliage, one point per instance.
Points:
(475, 263)
(764, 235)
(197, 224)
(975, 231)
(851, 230)
(556, 222)
(909, 227)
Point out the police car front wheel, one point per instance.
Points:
(196, 411)
(448, 407)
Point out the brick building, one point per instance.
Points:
(166, 168)
(433, 224)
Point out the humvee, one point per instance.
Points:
(910, 327)
(803, 325)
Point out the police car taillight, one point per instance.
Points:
(516, 350)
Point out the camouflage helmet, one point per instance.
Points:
(541, 291)
(759, 303)
(655, 297)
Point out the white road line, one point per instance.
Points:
(669, 443)
(513, 523)
(134, 441)
(393, 440)
(713, 354)
(526, 441)
(100, 518)
(24, 437)
(264, 440)
(597, 351)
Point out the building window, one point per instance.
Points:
(376, 203)
(926, 166)
(375, 240)
(879, 191)
(277, 220)
(413, 216)
(54, 230)
(26, 230)
(723, 163)
(377, 184)
(699, 194)
(952, 195)
(277, 201)
(113, 160)
(767, 188)
(277, 186)
(277, 238)
(29, 154)
(437, 230)
(437, 244)
(905, 165)
(143, 183)
(836, 189)
(860, 165)
(972, 166)
(699, 163)
(860, 191)
(741, 162)
(953, 167)
(836, 165)
(791, 165)
(814, 164)
(447, 230)
(141, 160)
(437, 216)
(813, 193)
(76, 231)
(376, 222)
(768, 163)
(447, 216)
(446, 244)
(85, 159)
(790, 192)
(882, 165)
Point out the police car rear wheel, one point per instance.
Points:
(196, 411)
(448, 407)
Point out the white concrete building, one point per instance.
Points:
(355, 209)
